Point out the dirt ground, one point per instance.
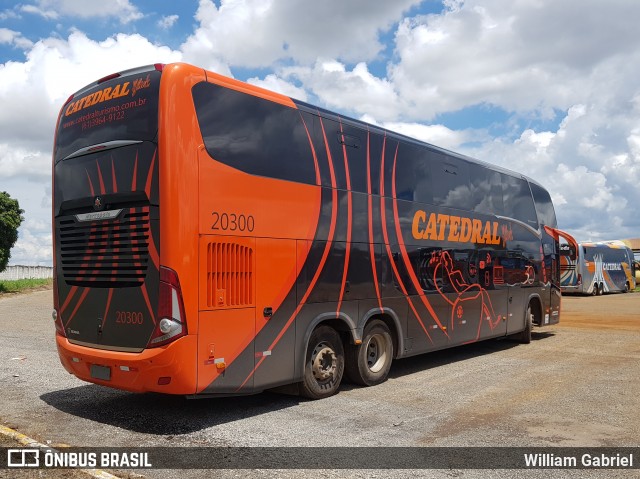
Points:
(577, 384)
(614, 311)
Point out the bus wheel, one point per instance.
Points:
(525, 336)
(324, 364)
(368, 364)
(595, 290)
(601, 289)
(627, 288)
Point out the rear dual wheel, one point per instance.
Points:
(368, 364)
(324, 365)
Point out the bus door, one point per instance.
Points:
(515, 274)
(551, 280)
(276, 272)
(552, 252)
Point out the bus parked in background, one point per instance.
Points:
(212, 238)
(598, 268)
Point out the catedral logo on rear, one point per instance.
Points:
(458, 229)
(109, 93)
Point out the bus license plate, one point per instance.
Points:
(101, 372)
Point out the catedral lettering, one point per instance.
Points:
(106, 94)
(246, 249)
(457, 229)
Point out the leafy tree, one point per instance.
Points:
(10, 219)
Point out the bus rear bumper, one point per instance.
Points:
(571, 289)
(170, 369)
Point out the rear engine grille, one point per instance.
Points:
(229, 275)
(109, 253)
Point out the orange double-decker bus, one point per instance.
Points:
(212, 237)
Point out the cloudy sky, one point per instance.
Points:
(548, 88)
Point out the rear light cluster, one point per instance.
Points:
(57, 319)
(57, 322)
(172, 320)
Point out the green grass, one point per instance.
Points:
(14, 286)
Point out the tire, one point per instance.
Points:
(627, 287)
(601, 290)
(324, 364)
(368, 363)
(594, 292)
(524, 336)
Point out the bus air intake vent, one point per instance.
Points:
(229, 275)
(108, 253)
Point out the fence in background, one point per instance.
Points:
(26, 272)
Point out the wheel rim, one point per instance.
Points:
(324, 362)
(376, 353)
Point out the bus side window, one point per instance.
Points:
(253, 135)
(451, 185)
(518, 202)
(413, 174)
(486, 190)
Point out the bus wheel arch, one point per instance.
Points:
(369, 362)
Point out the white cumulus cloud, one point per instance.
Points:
(55, 9)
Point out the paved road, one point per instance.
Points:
(577, 384)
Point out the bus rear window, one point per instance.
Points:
(122, 108)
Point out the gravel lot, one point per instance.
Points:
(576, 384)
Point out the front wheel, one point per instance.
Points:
(368, 364)
(324, 365)
(524, 337)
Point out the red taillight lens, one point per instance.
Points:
(172, 323)
(57, 319)
(579, 279)
(108, 77)
(57, 322)
(158, 66)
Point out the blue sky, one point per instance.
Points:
(546, 88)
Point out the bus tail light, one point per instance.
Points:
(57, 321)
(172, 322)
(55, 314)
(579, 280)
(108, 77)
